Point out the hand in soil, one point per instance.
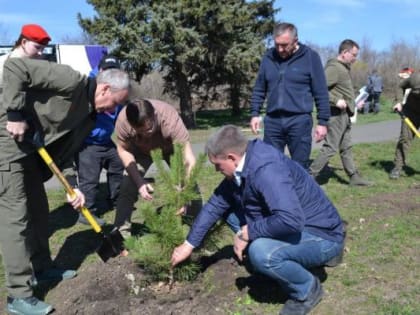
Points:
(181, 253)
(239, 247)
(124, 253)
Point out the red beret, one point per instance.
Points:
(35, 33)
(407, 70)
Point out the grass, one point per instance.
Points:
(380, 274)
(209, 120)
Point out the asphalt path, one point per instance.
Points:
(369, 133)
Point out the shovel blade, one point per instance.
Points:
(112, 245)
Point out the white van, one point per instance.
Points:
(82, 58)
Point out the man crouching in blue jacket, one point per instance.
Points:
(276, 209)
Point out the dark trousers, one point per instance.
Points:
(293, 130)
(372, 103)
(24, 224)
(90, 162)
(405, 140)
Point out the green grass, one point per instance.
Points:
(385, 113)
(209, 120)
(380, 273)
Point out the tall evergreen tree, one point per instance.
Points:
(197, 43)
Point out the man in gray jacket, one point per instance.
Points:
(60, 104)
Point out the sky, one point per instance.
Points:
(322, 22)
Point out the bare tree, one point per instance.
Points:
(325, 52)
(401, 54)
(4, 36)
(83, 39)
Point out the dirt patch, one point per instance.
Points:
(396, 203)
(121, 287)
(223, 287)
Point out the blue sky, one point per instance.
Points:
(323, 22)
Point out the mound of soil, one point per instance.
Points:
(121, 287)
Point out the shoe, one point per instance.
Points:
(27, 306)
(357, 180)
(395, 174)
(82, 220)
(296, 307)
(314, 175)
(125, 230)
(335, 261)
(126, 234)
(53, 274)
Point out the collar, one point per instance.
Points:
(91, 86)
(238, 171)
(91, 89)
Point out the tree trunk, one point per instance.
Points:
(235, 99)
(185, 102)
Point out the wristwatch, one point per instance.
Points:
(241, 235)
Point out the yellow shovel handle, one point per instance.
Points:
(56, 171)
(412, 127)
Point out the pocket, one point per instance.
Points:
(4, 177)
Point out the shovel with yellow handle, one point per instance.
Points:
(405, 118)
(409, 123)
(112, 243)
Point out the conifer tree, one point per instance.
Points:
(164, 228)
(197, 44)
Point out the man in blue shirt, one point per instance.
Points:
(291, 79)
(279, 213)
(98, 152)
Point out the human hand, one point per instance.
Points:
(77, 200)
(320, 133)
(360, 104)
(182, 211)
(255, 125)
(397, 107)
(240, 242)
(146, 191)
(16, 129)
(341, 104)
(181, 253)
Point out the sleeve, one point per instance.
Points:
(369, 86)
(274, 186)
(20, 74)
(173, 127)
(320, 90)
(122, 129)
(331, 75)
(259, 91)
(218, 204)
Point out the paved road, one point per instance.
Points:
(369, 133)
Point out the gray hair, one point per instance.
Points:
(227, 139)
(116, 78)
(281, 28)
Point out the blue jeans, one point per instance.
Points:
(287, 260)
(293, 130)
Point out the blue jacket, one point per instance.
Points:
(104, 125)
(292, 84)
(277, 197)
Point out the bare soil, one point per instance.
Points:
(121, 287)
